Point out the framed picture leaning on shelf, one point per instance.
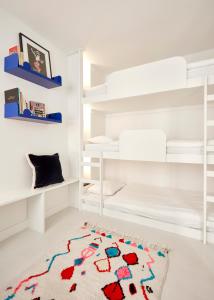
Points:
(37, 56)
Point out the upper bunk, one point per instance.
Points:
(166, 75)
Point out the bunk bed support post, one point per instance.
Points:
(81, 133)
(101, 183)
(205, 165)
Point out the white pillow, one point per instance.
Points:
(33, 170)
(101, 139)
(109, 188)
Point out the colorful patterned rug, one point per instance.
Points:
(95, 264)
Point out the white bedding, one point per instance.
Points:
(111, 147)
(199, 69)
(167, 205)
(200, 64)
(185, 143)
(185, 150)
(185, 147)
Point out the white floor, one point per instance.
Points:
(191, 266)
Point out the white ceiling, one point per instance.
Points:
(121, 33)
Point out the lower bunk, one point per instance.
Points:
(172, 210)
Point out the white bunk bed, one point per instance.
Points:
(152, 145)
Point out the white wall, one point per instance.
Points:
(179, 176)
(178, 123)
(97, 123)
(18, 137)
(98, 74)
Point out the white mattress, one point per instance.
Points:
(185, 150)
(197, 71)
(185, 147)
(185, 143)
(188, 151)
(111, 147)
(194, 147)
(200, 64)
(166, 205)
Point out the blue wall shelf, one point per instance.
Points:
(11, 111)
(11, 65)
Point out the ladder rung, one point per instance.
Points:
(210, 97)
(90, 164)
(210, 123)
(210, 173)
(210, 199)
(92, 181)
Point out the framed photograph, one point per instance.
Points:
(37, 56)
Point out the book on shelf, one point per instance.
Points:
(16, 49)
(22, 103)
(37, 109)
(15, 95)
(12, 95)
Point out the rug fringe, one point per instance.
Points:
(133, 238)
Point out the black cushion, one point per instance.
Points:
(48, 169)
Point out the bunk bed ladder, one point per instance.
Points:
(84, 181)
(206, 173)
(205, 165)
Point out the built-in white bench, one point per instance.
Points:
(36, 202)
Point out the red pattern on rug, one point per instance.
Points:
(66, 274)
(113, 291)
